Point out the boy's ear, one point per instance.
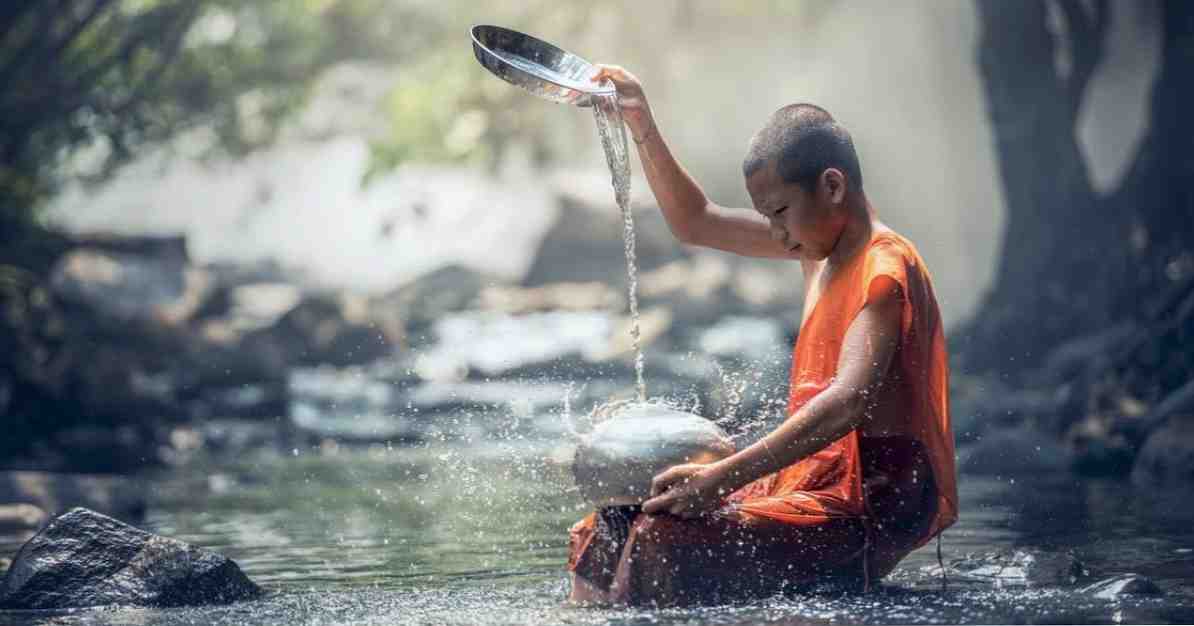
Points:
(833, 183)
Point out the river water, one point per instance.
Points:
(475, 533)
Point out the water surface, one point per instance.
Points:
(475, 533)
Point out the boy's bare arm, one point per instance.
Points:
(867, 351)
(692, 217)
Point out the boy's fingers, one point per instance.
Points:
(656, 504)
(663, 481)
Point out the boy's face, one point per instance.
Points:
(807, 223)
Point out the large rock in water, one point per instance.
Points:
(84, 559)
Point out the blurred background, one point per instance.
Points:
(232, 228)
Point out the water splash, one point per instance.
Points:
(608, 115)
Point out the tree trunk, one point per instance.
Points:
(1074, 262)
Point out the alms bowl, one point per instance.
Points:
(615, 462)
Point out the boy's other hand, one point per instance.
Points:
(631, 97)
(686, 491)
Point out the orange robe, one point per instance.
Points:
(850, 511)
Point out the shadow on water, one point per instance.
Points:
(476, 534)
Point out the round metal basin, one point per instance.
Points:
(615, 463)
(537, 66)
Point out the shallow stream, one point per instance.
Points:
(476, 534)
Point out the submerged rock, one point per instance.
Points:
(129, 287)
(1022, 568)
(84, 559)
(1123, 585)
(1167, 457)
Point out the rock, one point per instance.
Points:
(129, 288)
(116, 496)
(585, 242)
(332, 329)
(1090, 353)
(162, 247)
(1013, 452)
(18, 517)
(1167, 457)
(85, 559)
(1022, 568)
(1122, 585)
(432, 296)
(1098, 448)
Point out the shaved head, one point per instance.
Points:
(803, 140)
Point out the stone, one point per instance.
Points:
(332, 329)
(54, 493)
(1022, 568)
(1167, 457)
(430, 297)
(1122, 585)
(584, 243)
(129, 288)
(85, 559)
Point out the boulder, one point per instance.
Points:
(164, 247)
(1122, 585)
(1167, 457)
(333, 329)
(1021, 568)
(126, 288)
(85, 559)
(116, 496)
(585, 242)
(431, 296)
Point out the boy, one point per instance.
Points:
(861, 473)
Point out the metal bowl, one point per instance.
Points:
(615, 463)
(537, 66)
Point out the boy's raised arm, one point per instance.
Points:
(692, 218)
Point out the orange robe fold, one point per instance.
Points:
(851, 510)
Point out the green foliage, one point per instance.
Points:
(92, 83)
(110, 77)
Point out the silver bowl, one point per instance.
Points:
(616, 461)
(537, 66)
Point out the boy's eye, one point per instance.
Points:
(781, 209)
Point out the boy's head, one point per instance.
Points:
(799, 170)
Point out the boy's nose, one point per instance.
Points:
(778, 233)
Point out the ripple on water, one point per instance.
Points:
(477, 535)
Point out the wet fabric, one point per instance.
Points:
(852, 510)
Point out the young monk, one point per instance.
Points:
(862, 471)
